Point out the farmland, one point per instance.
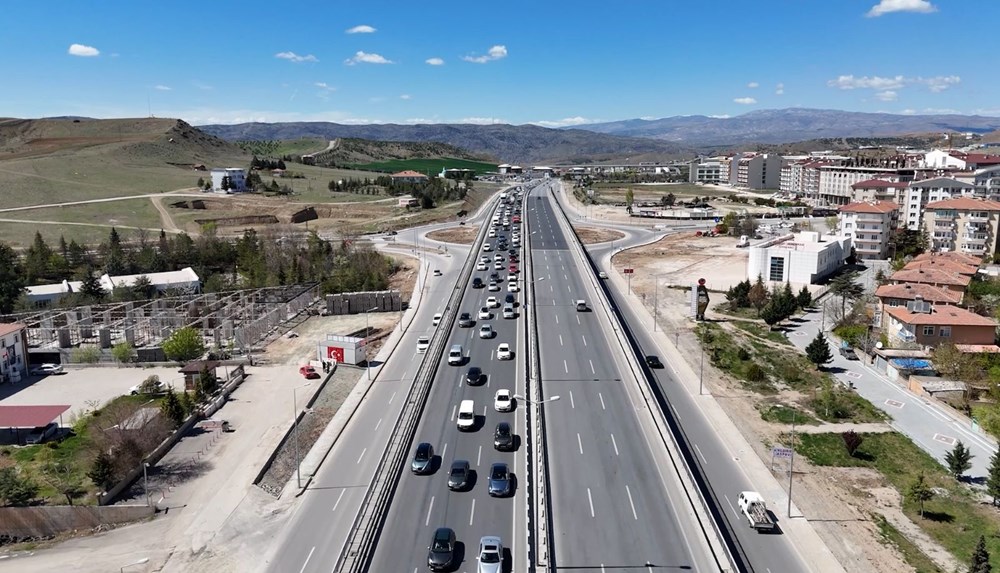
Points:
(429, 167)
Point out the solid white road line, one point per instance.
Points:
(479, 457)
(629, 492)
(579, 443)
(589, 499)
(339, 497)
(429, 508)
(308, 557)
(601, 396)
(592, 371)
(572, 404)
(392, 397)
(614, 444)
(584, 339)
(361, 456)
(377, 424)
(472, 514)
(700, 454)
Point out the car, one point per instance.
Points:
(514, 258)
(498, 258)
(423, 343)
(465, 320)
(503, 401)
(466, 420)
(481, 266)
(307, 371)
(154, 386)
(847, 351)
(493, 287)
(602, 275)
(441, 551)
(512, 269)
(495, 277)
(581, 306)
(512, 287)
(653, 361)
(498, 266)
(492, 302)
(458, 475)
(508, 311)
(487, 247)
(503, 437)
(41, 433)
(512, 252)
(485, 314)
(437, 319)
(504, 352)
(486, 331)
(46, 369)
(423, 459)
(437, 272)
(499, 483)
(456, 355)
(477, 283)
(492, 233)
(510, 298)
(474, 376)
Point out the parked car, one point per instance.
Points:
(441, 551)
(153, 387)
(423, 459)
(46, 369)
(309, 373)
(42, 433)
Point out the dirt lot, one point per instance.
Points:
(681, 259)
(591, 235)
(465, 235)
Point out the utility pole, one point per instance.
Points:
(791, 469)
(701, 372)
(656, 290)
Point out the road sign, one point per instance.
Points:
(779, 452)
(628, 271)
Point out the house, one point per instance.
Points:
(964, 258)
(13, 352)
(928, 325)
(408, 176)
(870, 224)
(901, 294)
(192, 370)
(235, 179)
(42, 296)
(920, 193)
(935, 277)
(800, 258)
(963, 224)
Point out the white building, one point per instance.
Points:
(920, 193)
(869, 224)
(184, 280)
(835, 182)
(13, 352)
(801, 258)
(237, 180)
(941, 159)
(712, 170)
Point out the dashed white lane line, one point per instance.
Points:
(560, 340)
(592, 371)
(565, 366)
(361, 456)
(701, 455)
(308, 557)
(584, 339)
(444, 450)
(590, 500)
(472, 514)
(377, 424)
(339, 497)
(557, 319)
(572, 404)
(601, 396)
(629, 492)
(614, 444)
(479, 457)
(452, 419)
(392, 397)
(578, 321)
(579, 443)
(429, 508)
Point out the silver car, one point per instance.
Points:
(490, 555)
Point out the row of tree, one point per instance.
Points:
(429, 192)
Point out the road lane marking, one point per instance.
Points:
(629, 492)
(452, 414)
(579, 443)
(472, 515)
(552, 288)
(361, 456)
(589, 499)
(569, 288)
(392, 397)
(578, 320)
(479, 457)
(557, 319)
(553, 302)
(429, 508)
(308, 557)
(566, 277)
(592, 371)
(342, 492)
(377, 424)
(700, 454)
(444, 450)
(584, 339)
(601, 396)
(565, 366)
(614, 443)
(572, 404)
(560, 340)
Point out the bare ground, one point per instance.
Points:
(681, 259)
(591, 235)
(459, 235)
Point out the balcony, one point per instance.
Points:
(946, 235)
(977, 219)
(975, 239)
(971, 248)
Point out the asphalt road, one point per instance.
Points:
(613, 510)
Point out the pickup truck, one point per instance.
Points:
(753, 507)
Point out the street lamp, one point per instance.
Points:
(368, 368)
(142, 561)
(295, 424)
(537, 403)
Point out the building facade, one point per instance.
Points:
(802, 258)
(870, 225)
(964, 225)
(711, 171)
(757, 171)
(920, 193)
(237, 180)
(13, 352)
(835, 181)
(929, 325)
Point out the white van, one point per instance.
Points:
(455, 356)
(466, 415)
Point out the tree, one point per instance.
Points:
(832, 223)
(668, 200)
(61, 477)
(187, 402)
(123, 352)
(818, 350)
(846, 287)
(993, 477)
(142, 287)
(91, 288)
(629, 200)
(980, 558)
(804, 299)
(920, 492)
(959, 460)
(172, 409)
(225, 184)
(852, 441)
(757, 296)
(36, 260)
(11, 278)
(207, 383)
(184, 344)
(102, 471)
(772, 314)
(16, 489)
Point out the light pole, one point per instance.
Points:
(145, 481)
(295, 425)
(536, 403)
(656, 290)
(142, 561)
(368, 368)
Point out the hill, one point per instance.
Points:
(788, 125)
(526, 144)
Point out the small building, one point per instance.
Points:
(946, 280)
(13, 352)
(870, 224)
(902, 294)
(236, 180)
(42, 296)
(408, 202)
(409, 176)
(878, 190)
(800, 258)
(192, 370)
(184, 280)
(925, 324)
(507, 169)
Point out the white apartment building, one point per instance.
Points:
(13, 352)
(920, 193)
(237, 179)
(879, 190)
(757, 171)
(987, 183)
(870, 225)
(713, 170)
(835, 181)
(941, 159)
(800, 259)
(963, 224)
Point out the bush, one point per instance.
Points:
(87, 354)
(755, 373)
(852, 333)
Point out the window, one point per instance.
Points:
(945, 332)
(928, 331)
(777, 272)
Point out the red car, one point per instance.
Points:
(513, 269)
(308, 372)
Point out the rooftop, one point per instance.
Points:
(409, 173)
(10, 327)
(965, 204)
(964, 258)
(943, 315)
(946, 182)
(876, 184)
(930, 276)
(910, 291)
(878, 207)
(947, 265)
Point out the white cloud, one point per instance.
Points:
(434, 61)
(723, 116)
(939, 83)
(753, 85)
(745, 100)
(405, 96)
(481, 120)
(935, 84)
(779, 89)
(889, 6)
(887, 95)
(293, 57)
(162, 88)
(366, 58)
(564, 122)
(362, 29)
(83, 51)
(204, 87)
(497, 52)
(325, 86)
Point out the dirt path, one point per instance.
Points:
(104, 225)
(176, 193)
(165, 219)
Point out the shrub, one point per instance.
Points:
(755, 373)
(852, 333)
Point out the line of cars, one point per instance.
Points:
(441, 550)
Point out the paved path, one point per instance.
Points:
(871, 428)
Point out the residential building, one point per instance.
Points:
(835, 181)
(963, 224)
(920, 193)
(13, 352)
(801, 258)
(710, 170)
(409, 176)
(879, 190)
(987, 183)
(236, 179)
(946, 280)
(870, 225)
(925, 324)
(942, 159)
(964, 258)
(900, 294)
(801, 178)
(757, 171)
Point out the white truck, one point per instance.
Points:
(753, 507)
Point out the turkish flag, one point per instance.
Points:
(335, 352)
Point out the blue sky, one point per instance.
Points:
(548, 63)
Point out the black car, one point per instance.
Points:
(474, 376)
(495, 277)
(465, 320)
(441, 551)
(499, 480)
(503, 437)
(510, 298)
(653, 361)
(477, 283)
(458, 475)
(423, 459)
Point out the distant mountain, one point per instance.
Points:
(789, 125)
(527, 144)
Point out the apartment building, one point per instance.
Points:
(879, 190)
(236, 180)
(713, 170)
(835, 181)
(756, 171)
(870, 225)
(920, 193)
(13, 352)
(963, 224)
(987, 183)
(801, 178)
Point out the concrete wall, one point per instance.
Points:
(23, 523)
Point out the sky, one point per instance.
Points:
(543, 62)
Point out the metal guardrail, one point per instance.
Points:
(675, 433)
(368, 523)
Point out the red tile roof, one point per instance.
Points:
(409, 173)
(978, 348)
(930, 276)
(910, 291)
(964, 258)
(950, 266)
(944, 315)
(982, 159)
(29, 416)
(877, 184)
(9, 327)
(872, 207)
(965, 204)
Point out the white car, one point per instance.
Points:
(487, 247)
(503, 401)
(492, 233)
(602, 275)
(512, 287)
(492, 302)
(485, 314)
(423, 343)
(504, 352)
(481, 266)
(490, 555)
(485, 331)
(46, 369)
(494, 287)
(157, 387)
(437, 319)
(498, 266)
(498, 258)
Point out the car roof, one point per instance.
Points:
(490, 540)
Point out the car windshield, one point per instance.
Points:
(440, 545)
(458, 471)
(490, 555)
(499, 472)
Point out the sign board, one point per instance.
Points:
(779, 452)
(628, 271)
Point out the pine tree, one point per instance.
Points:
(102, 472)
(91, 288)
(758, 295)
(993, 477)
(11, 278)
(172, 408)
(818, 350)
(959, 460)
(980, 558)
(920, 492)
(805, 299)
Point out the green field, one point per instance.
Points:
(274, 149)
(20, 235)
(429, 167)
